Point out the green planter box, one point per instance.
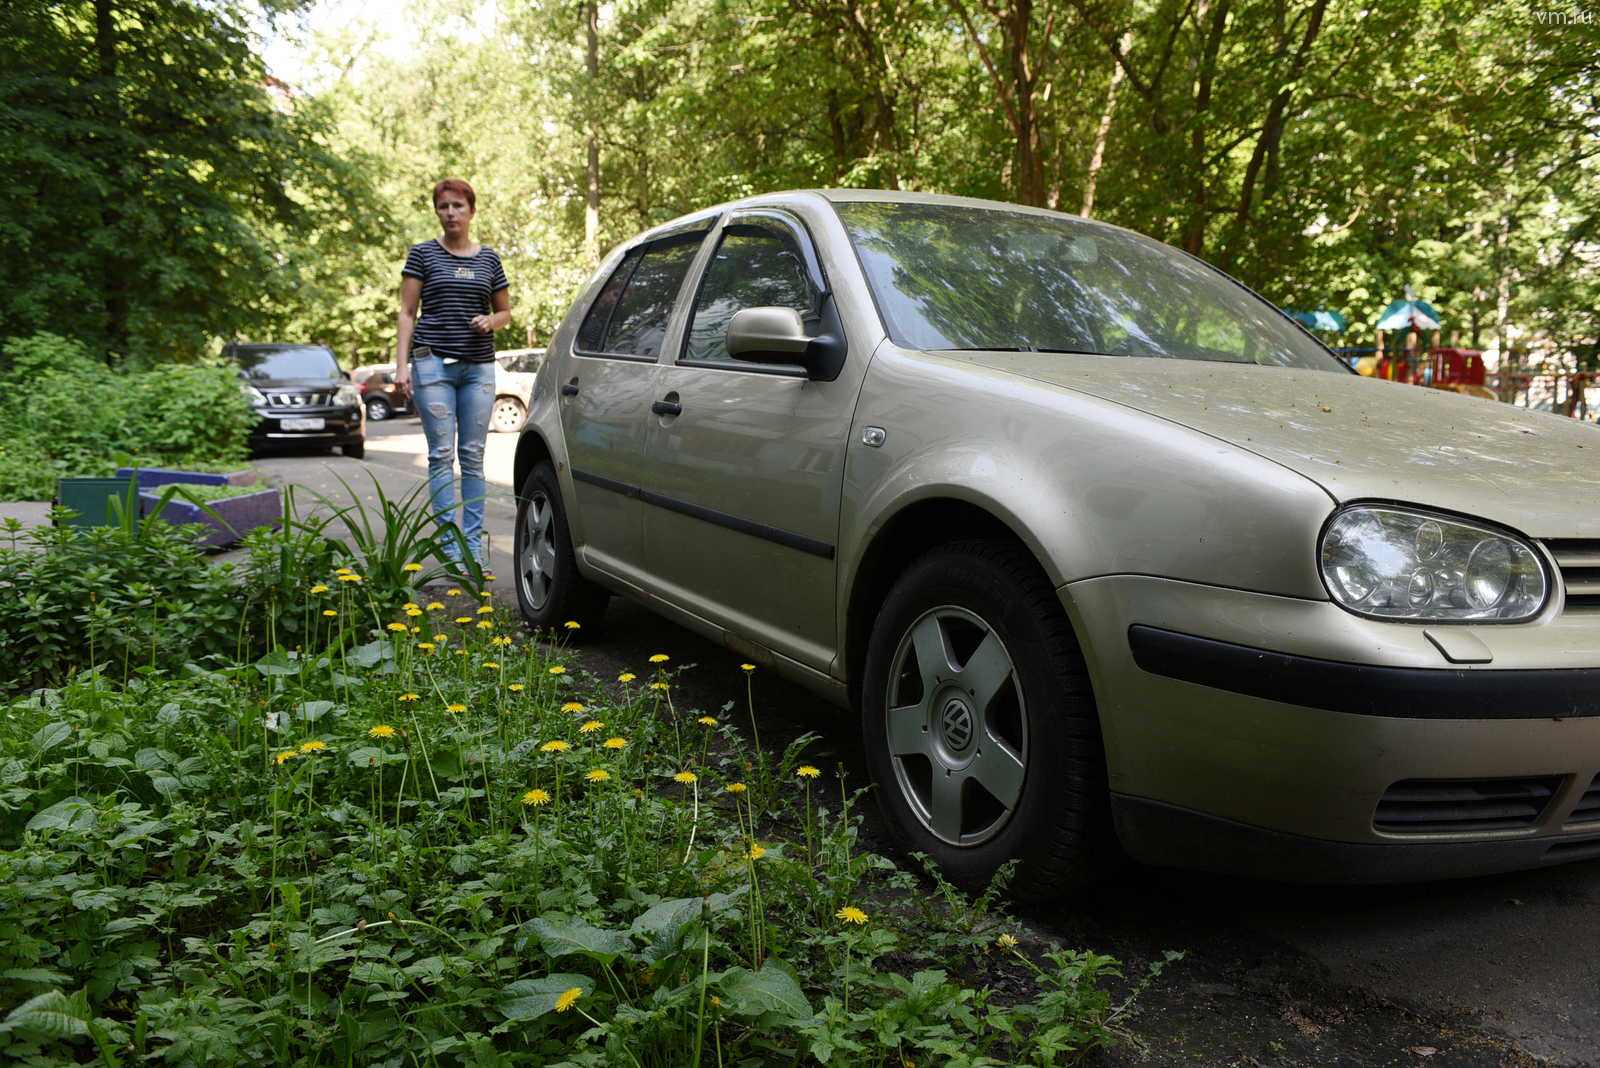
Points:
(91, 499)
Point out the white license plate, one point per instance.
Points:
(303, 424)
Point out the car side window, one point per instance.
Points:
(754, 267)
(593, 330)
(639, 313)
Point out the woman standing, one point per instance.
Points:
(465, 298)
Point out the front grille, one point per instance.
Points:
(1455, 806)
(300, 400)
(1588, 810)
(1579, 560)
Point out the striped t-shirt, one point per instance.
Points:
(454, 290)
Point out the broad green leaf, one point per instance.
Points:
(35, 975)
(665, 921)
(52, 1014)
(771, 989)
(368, 655)
(50, 736)
(315, 710)
(277, 663)
(563, 936)
(65, 815)
(527, 999)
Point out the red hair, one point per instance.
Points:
(455, 185)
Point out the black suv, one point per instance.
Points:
(302, 396)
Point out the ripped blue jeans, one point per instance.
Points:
(454, 401)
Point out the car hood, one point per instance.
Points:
(265, 384)
(1360, 438)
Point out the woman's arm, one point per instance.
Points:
(488, 324)
(410, 297)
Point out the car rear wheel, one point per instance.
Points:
(508, 415)
(550, 591)
(980, 724)
(378, 409)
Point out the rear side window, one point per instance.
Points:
(636, 303)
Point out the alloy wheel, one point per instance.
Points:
(536, 554)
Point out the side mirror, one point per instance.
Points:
(766, 330)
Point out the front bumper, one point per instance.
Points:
(341, 426)
(1258, 734)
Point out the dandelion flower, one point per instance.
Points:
(343, 571)
(658, 686)
(416, 630)
(409, 605)
(756, 852)
(313, 746)
(851, 914)
(456, 707)
(806, 771)
(434, 606)
(491, 665)
(515, 687)
(556, 746)
(686, 777)
(413, 566)
(569, 999)
(536, 798)
(285, 755)
(558, 670)
(572, 706)
(626, 676)
(485, 624)
(426, 647)
(486, 609)
(590, 727)
(319, 589)
(747, 667)
(382, 730)
(709, 721)
(500, 641)
(441, 637)
(616, 743)
(413, 611)
(736, 788)
(452, 593)
(349, 578)
(660, 658)
(463, 619)
(598, 775)
(399, 628)
(486, 594)
(410, 697)
(1005, 941)
(570, 625)
(329, 612)
(461, 652)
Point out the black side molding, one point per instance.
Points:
(787, 538)
(1366, 689)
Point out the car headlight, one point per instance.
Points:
(1398, 564)
(256, 398)
(347, 396)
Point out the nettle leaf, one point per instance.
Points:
(527, 999)
(563, 936)
(50, 736)
(51, 1014)
(68, 814)
(772, 989)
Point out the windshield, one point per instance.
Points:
(302, 361)
(955, 277)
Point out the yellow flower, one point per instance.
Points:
(747, 667)
(452, 593)
(598, 775)
(659, 686)
(558, 670)
(349, 578)
(410, 697)
(319, 589)
(590, 727)
(329, 612)
(490, 664)
(569, 999)
(1005, 941)
(756, 852)
(485, 624)
(536, 798)
(486, 608)
(570, 625)
(709, 721)
(413, 611)
(557, 746)
(686, 777)
(416, 630)
(313, 746)
(660, 658)
(412, 567)
(486, 594)
(616, 743)
(409, 605)
(285, 755)
(343, 571)
(382, 730)
(626, 676)
(426, 647)
(434, 606)
(463, 619)
(399, 628)
(515, 687)
(456, 707)
(736, 787)
(441, 637)
(572, 706)
(500, 641)
(806, 771)
(851, 914)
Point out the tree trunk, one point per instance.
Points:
(591, 207)
(114, 280)
(1103, 131)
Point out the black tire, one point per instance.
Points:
(507, 415)
(977, 779)
(355, 451)
(550, 591)
(378, 409)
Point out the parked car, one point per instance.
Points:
(1105, 550)
(302, 396)
(382, 398)
(513, 387)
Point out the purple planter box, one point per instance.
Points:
(160, 476)
(240, 515)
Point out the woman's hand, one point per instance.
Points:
(483, 324)
(402, 379)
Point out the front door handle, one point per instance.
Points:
(666, 408)
(569, 390)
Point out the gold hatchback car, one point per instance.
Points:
(1105, 550)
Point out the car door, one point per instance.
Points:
(744, 461)
(607, 394)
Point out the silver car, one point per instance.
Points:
(1109, 554)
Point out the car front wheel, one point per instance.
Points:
(378, 409)
(508, 415)
(550, 591)
(980, 724)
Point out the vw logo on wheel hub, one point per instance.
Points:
(955, 722)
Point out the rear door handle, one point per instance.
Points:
(666, 408)
(569, 390)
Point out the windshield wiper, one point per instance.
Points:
(1026, 348)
